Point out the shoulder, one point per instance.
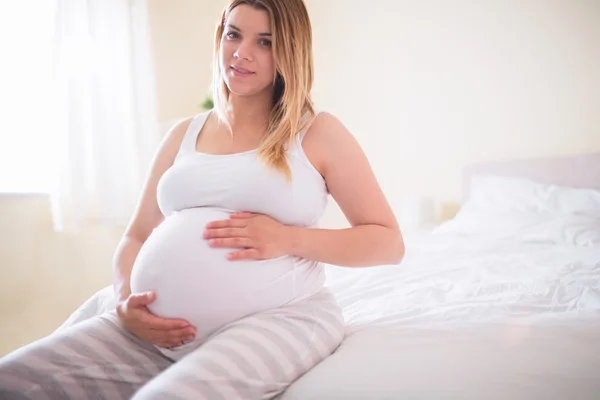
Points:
(328, 141)
(327, 129)
(325, 120)
(181, 126)
(178, 129)
(173, 138)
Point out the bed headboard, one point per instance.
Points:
(578, 171)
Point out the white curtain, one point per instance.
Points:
(106, 96)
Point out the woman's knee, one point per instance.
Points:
(207, 387)
(92, 357)
(19, 378)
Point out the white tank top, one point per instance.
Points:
(196, 282)
(240, 182)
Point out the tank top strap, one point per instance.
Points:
(188, 144)
(302, 133)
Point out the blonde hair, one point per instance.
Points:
(292, 49)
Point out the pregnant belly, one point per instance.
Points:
(196, 282)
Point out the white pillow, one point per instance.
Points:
(500, 193)
(529, 211)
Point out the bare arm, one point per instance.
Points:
(374, 238)
(147, 215)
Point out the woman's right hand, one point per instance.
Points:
(162, 332)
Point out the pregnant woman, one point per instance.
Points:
(219, 274)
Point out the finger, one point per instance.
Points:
(238, 215)
(180, 335)
(137, 300)
(169, 343)
(244, 254)
(225, 233)
(231, 242)
(165, 344)
(226, 223)
(157, 323)
(174, 336)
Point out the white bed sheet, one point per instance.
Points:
(467, 318)
(460, 318)
(451, 279)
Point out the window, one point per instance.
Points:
(28, 139)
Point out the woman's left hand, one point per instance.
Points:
(260, 236)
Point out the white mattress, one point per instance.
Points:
(467, 319)
(460, 319)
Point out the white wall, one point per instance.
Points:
(45, 275)
(182, 32)
(429, 86)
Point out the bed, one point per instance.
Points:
(501, 302)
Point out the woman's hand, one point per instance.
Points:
(162, 332)
(260, 236)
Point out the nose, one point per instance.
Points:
(243, 51)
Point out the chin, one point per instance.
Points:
(244, 90)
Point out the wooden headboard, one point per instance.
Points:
(578, 171)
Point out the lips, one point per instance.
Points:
(241, 70)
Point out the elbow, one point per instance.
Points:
(399, 256)
(398, 248)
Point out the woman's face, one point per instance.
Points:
(246, 59)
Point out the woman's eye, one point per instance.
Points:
(265, 42)
(232, 35)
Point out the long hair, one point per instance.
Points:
(292, 50)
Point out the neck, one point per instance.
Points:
(249, 113)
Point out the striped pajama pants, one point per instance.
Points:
(257, 357)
